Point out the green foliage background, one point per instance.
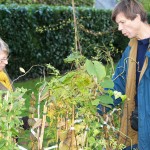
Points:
(50, 2)
(146, 4)
(55, 40)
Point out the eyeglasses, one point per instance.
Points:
(4, 59)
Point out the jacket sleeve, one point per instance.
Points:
(119, 77)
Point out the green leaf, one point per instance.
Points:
(2, 143)
(96, 69)
(100, 70)
(66, 77)
(14, 131)
(105, 99)
(73, 57)
(123, 97)
(96, 132)
(90, 67)
(95, 102)
(107, 83)
(91, 140)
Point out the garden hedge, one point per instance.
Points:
(51, 2)
(20, 27)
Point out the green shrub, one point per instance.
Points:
(50, 2)
(43, 34)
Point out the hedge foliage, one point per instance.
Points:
(54, 39)
(50, 2)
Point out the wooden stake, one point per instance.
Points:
(43, 125)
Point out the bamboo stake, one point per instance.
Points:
(77, 42)
(66, 121)
(84, 136)
(75, 26)
(72, 129)
(43, 125)
(38, 130)
(57, 138)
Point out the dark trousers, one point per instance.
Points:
(25, 125)
(134, 147)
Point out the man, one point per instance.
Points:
(132, 75)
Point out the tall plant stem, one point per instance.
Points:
(77, 43)
(28, 72)
(38, 130)
(75, 26)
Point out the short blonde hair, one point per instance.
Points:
(4, 47)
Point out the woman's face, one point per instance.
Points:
(3, 60)
(129, 28)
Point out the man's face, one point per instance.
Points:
(3, 60)
(129, 28)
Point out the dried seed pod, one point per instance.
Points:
(32, 110)
(31, 122)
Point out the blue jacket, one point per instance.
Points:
(143, 93)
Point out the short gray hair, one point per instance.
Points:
(3, 46)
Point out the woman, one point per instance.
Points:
(5, 83)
